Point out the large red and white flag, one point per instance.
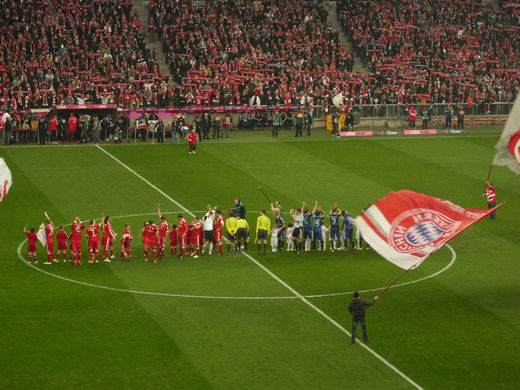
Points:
(406, 227)
(508, 146)
(5, 179)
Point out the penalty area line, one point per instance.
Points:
(274, 276)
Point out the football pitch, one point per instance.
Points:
(278, 321)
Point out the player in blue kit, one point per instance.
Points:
(335, 240)
(307, 228)
(348, 230)
(318, 216)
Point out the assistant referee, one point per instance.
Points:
(263, 227)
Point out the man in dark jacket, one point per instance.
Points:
(43, 128)
(358, 307)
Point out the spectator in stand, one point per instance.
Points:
(72, 127)
(53, 129)
(43, 128)
(448, 114)
(412, 116)
(460, 118)
(8, 128)
(217, 123)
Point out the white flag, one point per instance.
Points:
(508, 146)
(5, 179)
(41, 236)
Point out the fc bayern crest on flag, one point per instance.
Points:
(406, 227)
(514, 145)
(416, 229)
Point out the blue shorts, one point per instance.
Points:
(307, 233)
(334, 232)
(348, 234)
(317, 234)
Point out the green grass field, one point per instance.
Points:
(268, 322)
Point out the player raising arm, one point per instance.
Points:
(49, 236)
(334, 215)
(93, 239)
(32, 238)
(75, 240)
(163, 232)
(183, 231)
(209, 235)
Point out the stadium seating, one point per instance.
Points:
(55, 52)
(237, 52)
(440, 51)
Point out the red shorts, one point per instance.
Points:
(32, 248)
(195, 239)
(182, 239)
(125, 246)
(75, 246)
(93, 244)
(50, 244)
(62, 245)
(152, 243)
(161, 240)
(107, 242)
(217, 235)
(173, 242)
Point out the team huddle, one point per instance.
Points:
(306, 232)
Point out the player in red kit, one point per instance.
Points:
(32, 238)
(163, 232)
(107, 240)
(93, 239)
(49, 237)
(150, 237)
(126, 239)
(173, 240)
(75, 240)
(219, 225)
(183, 230)
(196, 236)
(192, 141)
(62, 238)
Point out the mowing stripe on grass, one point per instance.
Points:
(224, 297)
(296, 293)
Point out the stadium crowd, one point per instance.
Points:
(457, 52)
(236, 52)
(54, 53)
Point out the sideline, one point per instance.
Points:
(266, 140)
(296, 293)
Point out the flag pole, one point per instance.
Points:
(489, 175)
(395, 281)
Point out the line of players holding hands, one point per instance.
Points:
(307, 228)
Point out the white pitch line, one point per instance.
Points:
(225, 297)
(296, 293)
